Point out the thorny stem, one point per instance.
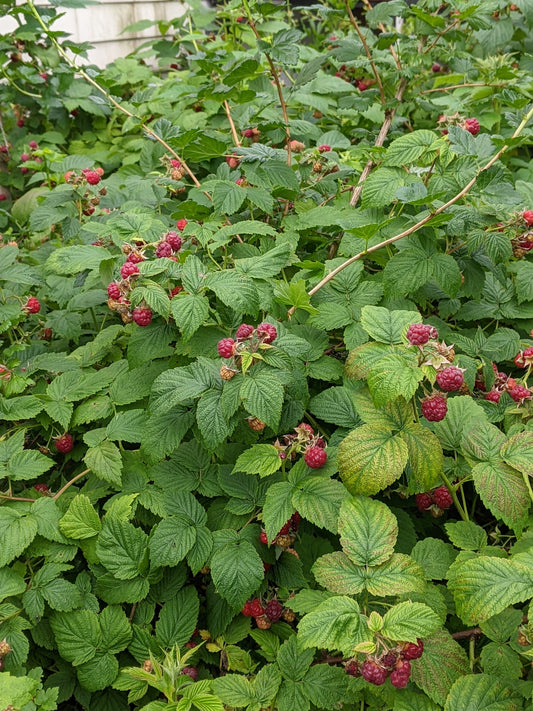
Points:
(69, 483)
(384, 29)
(368, 53)
(231, 124)
(454, 24)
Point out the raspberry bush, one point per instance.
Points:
(266, 388)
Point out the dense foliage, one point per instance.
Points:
(266, 319)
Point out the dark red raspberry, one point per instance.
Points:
(64, 443)
(398, 679)
(174, 240)
(472, 126)
(24, 157)
(434, 408)
(181, 225)
(435, 68)
(528, 216)
(273, 610)
(244, 331)
(493, 396)
(315, 457)
(163, 249)
(353, 668)
(41, 488)
(33, 305)
(246, 610)
(442, 497)
(248, 133)
(113, 291)
(371, 671)
(320, 443)
(176, 290)
(524, 358)
(423, 501)
(142, 316)
(135, 258)
(388, 660)
(263, 538)
(418, 334)
(266, 566)
(450, 378)
(324, 148)
(295, 520)
(413, 651)
(128, 269)
(91, 176)
(225, 347)
(256, 607)
(519, 393)
(285, 528)
(403, 666)
(267, 332)
(190, 671)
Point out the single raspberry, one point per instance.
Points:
(524, 358)
(362, 84)
(285, 528)
(24, 157)
(413, 651)
(267, 332)
(248, 133)
(263, 622)
(418, 334)
(256, 424)
(493, 396)
(434, 408)
(263, 538)
(388, 660)
(128, 269)
(135, 258)
(225, 347)
(190, 671)
(91, 176)
(148, 666)
(64, 443)
(246, 610)
(33, 145)
(33, 305)
(403, 666)
(227, 373)
(266, 566)
(176, 290)
(472, 126)
(371, 671)
(450, 378)
(174, 240)
(5, 647)
(443, 498)
(163, 249)
(519, 393)
(398, 679)
(304, 428)
(315, 457)
(142, 316)
(284, 540)
(288, 615)
(510, 384)
(256, 607)
(528, 216)
(324, 148)
(435, 68)
(25, 170)
(240, 19)
(113, 291)
(100, 171)
(320, 443)
(353, 668)
(297, 146)
(181, 225)
(244, 331)
(295, 520)
(423, 501)
(274, 610)
(41, 488)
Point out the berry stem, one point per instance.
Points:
(69, 483)
(462, 512)
(231, 124)
(528, 485)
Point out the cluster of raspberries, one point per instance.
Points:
(266, 614)
(437, 500)
(248, 340)
(504, 383)
(394, 663)
(287, 533)
(304, 440)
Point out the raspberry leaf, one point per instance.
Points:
(237, 571)
(318, 500)
(409, 621)
(121, 548)
(335, 624)
(178, 618)
(262, 459)
(443, 662)
(80, 520)
(482, 692)
(367, 530)
(425, 455)
(386, 326)
(171, 540)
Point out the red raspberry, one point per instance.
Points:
(128, 269)
(20, 123)
(266, 566)
(135, 258)
(33, 305)
(435, 68)
(398, 679)
(519, 393)
(450, 378)
(181, 225)
(371, 671)
(320, 443)
(176, 290)
(248, 133)
(256, 608)
(324, 148)
(273, 610)
(493, 396)
(423, 501)
(244, 331)
(190, 671)
(285, 528)
(295, 520)
(113, 291)
(225, 347)
(524, 358)
(41, 488)
(174, 240)
(263, 538)
(528, 216)
(413, 651)
(163, 249)
(353, 668)
(418, 334)
(315, 457)
(267, 332)
(64, 443)
(434, 408)
(472, 126)
(443, 498)
(389, 660)
(403, 666)
(91, 176)
(142, 316)
(246, 610)
(303, 428)
(24, 157)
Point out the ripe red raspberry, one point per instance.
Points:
(450, 378)
(295, 520)
(142, 316)
(246, 610)
(434, 408)
(353, 668)
(493, 396)
(263, 538)
(33, 305)
(113, 291)
(398, 679)
(403, 666)
(413, 651)
(181, 225)
(519, 393)
(423, 501)
(388, 660)
(324, 148)
(418, 334)
(24, 157)
(267, 332)
(435, 68)
(176, 290)
(274, 610)
(315, 457)
(128, 269)
(248, 133)
(304, 428)
(225, 347)
(91, 176)
(256, 607)
(472, 126)
(174, 240)
(190, 671)
(524, 358)
(528, 216)
(371, 671)
(244, 331)
(163, 249)
(135, 258)
(64, 443)
(41, 488)
(442, 497)
(285, 528)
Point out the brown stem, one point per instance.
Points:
(15, 498)
(368, 53)
(467, 634)
(132, 611)
(382, 27)
(462, 86)
(231, 124)
(69, 483)
(454, 24)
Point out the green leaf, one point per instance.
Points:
(211, 421)
(121, 547)
(171, 540)
(285, 48)
(17, 531)
(325, 686)
(278, 507)
(266, 265)
(498, 660)
(481, 692)
(11, 583)
(178, 618)
(234, 690)
(227, 197)
(337, 406)
(371, 458)
(262, 397)
(98, 672)
(409, 148)
(380, 187)
(154, 295)
(407, 271)
(262, 459)
(71, 260)
(334, 624)
(518, 452)
(434, 556)
(393, 377)
(443, 662)
(77, 634)
(466, 535)
(408, 621)
(105, 462)
(503, 491)
(235, 290)
(237, 570)
(189, 311)
(126, 426)
(425, 455)
(318, 500)
(387, 326)
(293, 662)
(368, 530)
(177, 385)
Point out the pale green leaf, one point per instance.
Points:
(368, 530)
